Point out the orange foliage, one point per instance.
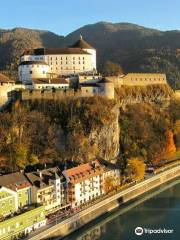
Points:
(170, 146)
(169, 150)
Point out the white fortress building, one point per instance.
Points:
(44, 63)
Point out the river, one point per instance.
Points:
(157, 210)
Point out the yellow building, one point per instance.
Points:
(142, 79)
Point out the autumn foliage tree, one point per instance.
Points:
(112, 69)
(135, 169)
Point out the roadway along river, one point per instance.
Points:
(156, 210)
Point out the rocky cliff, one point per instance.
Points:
(107, 137)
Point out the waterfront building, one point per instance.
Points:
(51, 63)
(23, 223)
(48, 188)
(86, 182)
(15, 193)
(83, 183)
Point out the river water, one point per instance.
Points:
(157, 210)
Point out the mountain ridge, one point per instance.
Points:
(136, 48)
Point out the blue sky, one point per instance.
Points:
(63, 16)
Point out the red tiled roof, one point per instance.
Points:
(84, 171)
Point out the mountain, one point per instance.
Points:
(14, 42)
(135, 48)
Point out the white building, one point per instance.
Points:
(46, 62)
(29, 70)
(86, 182)
(55, 83)
(48, 188)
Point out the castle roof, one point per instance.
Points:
(145, 75)
(81, 43)
(54, 51)
(5, 79)
(47, 81)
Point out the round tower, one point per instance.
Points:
(106, 88)
(28, 70)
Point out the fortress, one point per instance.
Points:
(69, 71)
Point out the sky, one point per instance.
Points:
(63, 16)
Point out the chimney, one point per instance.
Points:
(39, 173)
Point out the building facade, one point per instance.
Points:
(23, 223)
(48, 188)
(54, 83)
(83, 183)
(15, 193)
(51, 63)
(138, 79)
(6, 86)
(87, 182)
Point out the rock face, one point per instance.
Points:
(107, 137)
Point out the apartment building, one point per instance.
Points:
(48, 188)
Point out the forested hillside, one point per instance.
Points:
(81, 129)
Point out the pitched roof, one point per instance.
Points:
(40, 179)
(84, 171)
(5, 79)
(14, 181)
(81, 43)
(54, 51)
(52, 81)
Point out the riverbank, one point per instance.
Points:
(157, 208)
(83, 217)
